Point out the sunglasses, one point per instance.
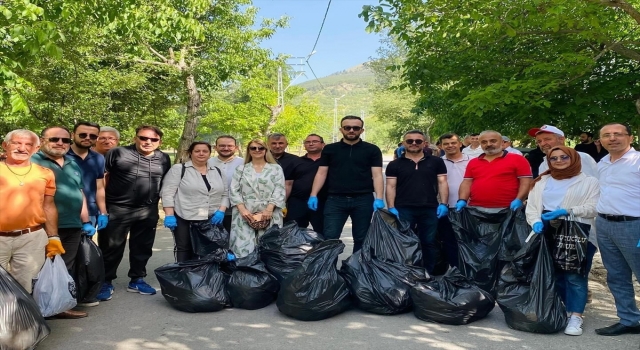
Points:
(84, 135)
(349, 128)
(412, 141)
(144, 138)
(257, 148)
(57, 139)
(561, 158)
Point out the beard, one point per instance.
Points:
(54, 152)
(492, 151)
(351, 137)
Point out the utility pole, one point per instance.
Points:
(364, 133)
(280, 102)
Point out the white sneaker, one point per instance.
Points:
(575, 326)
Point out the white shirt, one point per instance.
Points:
(512, 150)
(472, 152)
(554, 192)
(455, 175)
(620, 185)
(589, 166)
(228, 167)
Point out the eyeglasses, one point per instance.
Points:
(616, 135)
(102, 138)
(349, 128)
(312, 142)
(58, 139)
(560, 158)
(144, 138)
(412, 141)
(256, 149)
(84, 135)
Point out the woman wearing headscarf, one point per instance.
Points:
(257, 190)
(559, 192)
(193, 191)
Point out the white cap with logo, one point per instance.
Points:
(550, 129)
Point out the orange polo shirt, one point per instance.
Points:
(23, 206)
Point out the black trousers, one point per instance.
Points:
(140, 224)
(70, 238)
(298, 211)
(226, 222)
(183, 250)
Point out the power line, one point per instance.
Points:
(314, 74)
(321, 26)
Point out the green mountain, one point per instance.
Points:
(354, 83)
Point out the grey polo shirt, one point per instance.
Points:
(455, 175)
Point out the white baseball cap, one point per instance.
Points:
(550, 129)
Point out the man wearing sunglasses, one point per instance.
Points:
(133, 183)
(414, 182)
(352, 170)
(70, 200)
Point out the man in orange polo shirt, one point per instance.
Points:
(29, 220)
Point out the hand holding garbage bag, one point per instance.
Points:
(442, 211)
(54, 290)
(461, 204)
(54, 247)
(552, 215)
(515, 204)
(217, 217)
(251, 286)
(395, 212)
(88, 228)
(538, 227)
(378, 204)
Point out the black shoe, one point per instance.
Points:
(618, 329)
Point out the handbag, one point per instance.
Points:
(258, 222)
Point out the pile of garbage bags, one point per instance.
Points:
(207, 238)
(251, 286)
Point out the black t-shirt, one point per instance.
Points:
(588, 148)
(303, 175)
(134, 180)
(288, 162)
(417, 183)
(350, 167)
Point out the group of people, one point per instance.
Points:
(62, 184)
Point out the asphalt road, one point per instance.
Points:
(135, 322)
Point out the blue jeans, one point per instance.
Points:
(621, 257)
(338, 209)
(572, 287)
(424, 222)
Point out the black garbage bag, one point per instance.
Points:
(196, 285)
(284, 249)
(251, 286)
(527, 293)
(392, 239)
(90, 269)
(569, 241)
(479, 234)
(381, 287)
(21, 323)
(315, 291)
(450, 299)
(206, 238)
(514, 233)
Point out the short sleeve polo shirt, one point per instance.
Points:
(416, 183)
(288, 163)
(350, 167)
(303, 175)
(69, 187)
(495, 184)
(92, 170)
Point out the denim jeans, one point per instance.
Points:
(298, 211)
(621, 257)
(338, 209)
(424, 221)
(449, 242)
(572, 287)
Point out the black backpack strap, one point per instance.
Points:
(184, 168)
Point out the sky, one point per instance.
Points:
(343, 43)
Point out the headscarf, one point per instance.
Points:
(574, 168)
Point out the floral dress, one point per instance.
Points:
(256, 191)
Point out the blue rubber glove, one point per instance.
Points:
(312, 203)
(170, 222)
(394, 211)
(103, 220)
(217, 217)
(516, 204)
(378, 204)
(552, 215)
(399, 151)
(639, 243)
(461, 204)
(538, 227)
(88, 228)
(442, 211)
(231, 256)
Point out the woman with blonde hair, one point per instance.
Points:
(257, 195)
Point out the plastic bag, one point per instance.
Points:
(392, 239)
(21, 323)
(90, 268)
(514, 233)
(251, 286)
(479, 233)
(284, 249)
(527, 293)
(314, 291)
(54, 290)
(206, 238)
(196, 285)
(569, 244)
(451, 299)
(381, 287)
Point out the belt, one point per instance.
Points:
(618, 217)
(17, 233)
(350, 195)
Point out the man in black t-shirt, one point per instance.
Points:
(303, 175)
(352, 171)
(277, 145)
(414, 182)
